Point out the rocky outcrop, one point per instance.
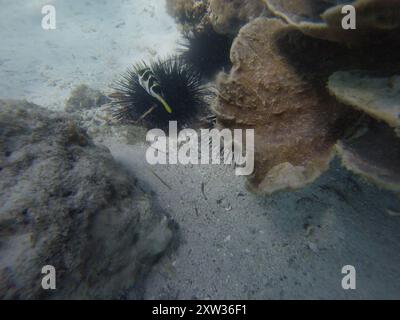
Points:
(191, 15)
(91, 111)
(65, 202)
(377, 20)
(227, 16)
(85, 98)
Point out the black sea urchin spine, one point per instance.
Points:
(207, 50)
(180, 86)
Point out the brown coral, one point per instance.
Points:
(374, 155)
(278, 82)
(377, 20)
(296, 12)
(378, 96)
(277, 86)
(296, 123)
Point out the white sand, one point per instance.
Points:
(235, 245)
(95, 40)
(232, 243)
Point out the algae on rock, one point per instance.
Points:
(66, 203)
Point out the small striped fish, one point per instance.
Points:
(149, 83)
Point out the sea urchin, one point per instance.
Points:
(159, 92)
(207, 50)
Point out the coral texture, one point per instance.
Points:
(280, 91)
(190, 14)
(83, 98)
(296, 124)
(377, 20)
(379, 96)
(227, 16)
(374, 155)
(281, 68)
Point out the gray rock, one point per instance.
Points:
(91, 111)
(65, 202)
(84, 98)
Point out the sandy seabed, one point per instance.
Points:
(94, 41)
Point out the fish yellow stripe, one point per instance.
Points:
(165, 104)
